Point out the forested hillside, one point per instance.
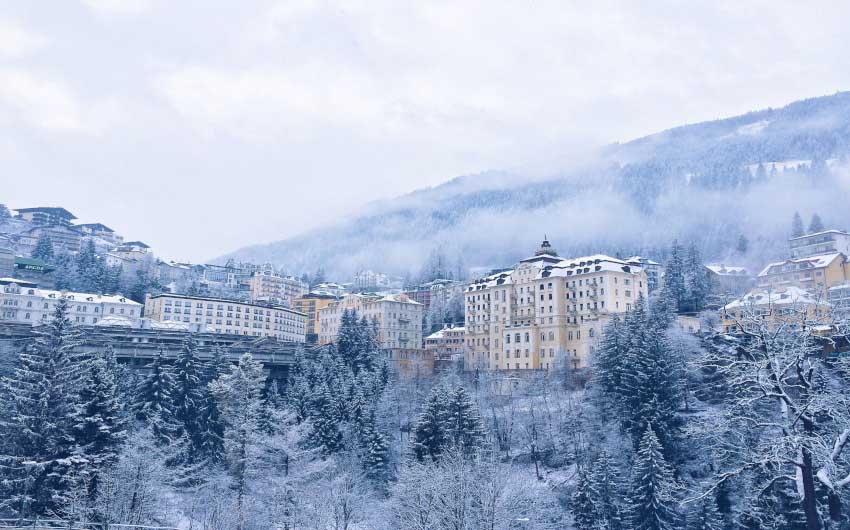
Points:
(745, 175)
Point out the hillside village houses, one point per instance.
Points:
(24, 302)
(446, 344)
(398, 322)
(547, 310)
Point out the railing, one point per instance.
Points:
(58, 524)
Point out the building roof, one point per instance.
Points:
(22, 283)
(89, 297)
(134, 244)
(441, 333)
(642, 261)
(812, 261)
(53, 210)
(804, 236)
(115, 320)
(727, 270)
(790, 295)
(96, 226)
(224, 300)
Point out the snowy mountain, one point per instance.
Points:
(717, 180)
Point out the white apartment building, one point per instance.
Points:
(826, 242)
(268, 286)
(547, 311)
(397, 317)
(229, 316)
(25, 302)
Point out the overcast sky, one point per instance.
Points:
(202, 126)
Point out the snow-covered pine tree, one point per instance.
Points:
(653, 505)
(367, 347)
(797, 228)
(42, 393)
(43, 249)
(464, 428)
(696, 279)
(583, 502)
(816, 225)
(605, 486)
(706, 516)
(155, 401)
(429, 436)
(99, 425)
(239, 398)
(188, 395)
(607, 361)
(376, 458)
(326, 422)
(348, 338)
(674, 275)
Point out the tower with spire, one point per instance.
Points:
(546, 248)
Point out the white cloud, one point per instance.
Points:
(51, 105)
(17, 41)
(119, 7)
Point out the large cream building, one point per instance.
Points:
(547, 310)
(268, 286)
(24, 302)
(398, 320)
(228, 316)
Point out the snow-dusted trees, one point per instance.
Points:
(797, 228)
(43, 249)
(239, 398)
(785, 423)
(188, 397)
(652, 502)
(448, 420)
(39, 469)
(155, 400)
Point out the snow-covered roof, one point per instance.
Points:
(400, 298)
(170, 324)
(833, 231)
(442, 333)
(811, 262)
(588, 264)
(780, 297)
(115, 320)
(89, 297)
(727, 270)
(642, 260)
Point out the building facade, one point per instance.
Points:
(268, 286)
(398, 321)
(311, 305)
(24, 302)
(63, 238)
(789, 306)
(100, 231)
(728, 280)
(815, 274)
(826, 242)
(46, 215)
(229, 316)
(447, 344)
(547, 311)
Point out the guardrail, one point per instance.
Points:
(59, 524)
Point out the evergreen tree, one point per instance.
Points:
(5, 214)
(326, 422)
(376, 460)
(742, 245)
(674, 275)
(607, 363)
(43, 249)
(583, 507)
(239, 398)
(707, 517)
(64, 275)
(99, 427)
(43, 399)
(464, 428)
(696, 279)
(797, 229)
(348, 338)
(188, 395)
(155, 401)
(605, 484)
(653, 506)
(816, 225)
(429, 436)
(90, 269)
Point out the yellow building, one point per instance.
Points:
(547, 311)
(398, 321)
(228, 316)
(311, 304)
(789, 305)
(815, 274)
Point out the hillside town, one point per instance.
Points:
(545, 312)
